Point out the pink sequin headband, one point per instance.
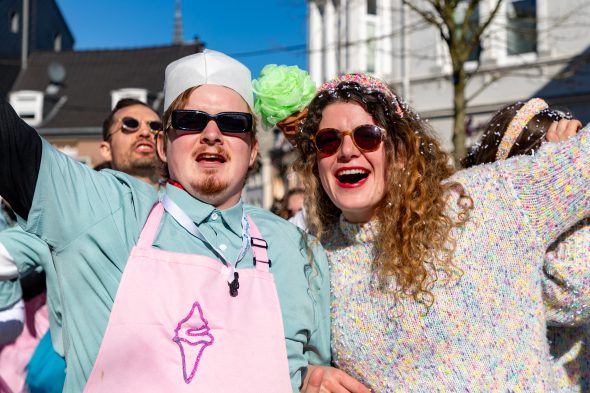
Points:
(525, 114)
(366, 81)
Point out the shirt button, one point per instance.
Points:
(214, 216)
(222, 247)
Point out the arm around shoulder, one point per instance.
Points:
(553, 186)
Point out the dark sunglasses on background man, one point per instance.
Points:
(227, 122)
(129, 125)
(366, 138)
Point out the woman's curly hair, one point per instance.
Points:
(414, 245)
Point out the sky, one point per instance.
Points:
(255, 32)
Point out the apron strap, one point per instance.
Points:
(148, 233)
(259, 247)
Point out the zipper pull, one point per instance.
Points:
(234, 285)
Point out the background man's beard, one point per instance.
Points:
(211, 186)
(143, 167)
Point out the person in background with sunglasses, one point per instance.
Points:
(520, 129)
(436, 276)
(129, 140)
(174, 291)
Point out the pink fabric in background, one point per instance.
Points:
(14, 357)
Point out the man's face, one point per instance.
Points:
(132, 152)
(211, 165)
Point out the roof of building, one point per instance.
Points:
(9, 70)
(83, 99)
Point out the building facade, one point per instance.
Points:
(28, 26)
(531, 48)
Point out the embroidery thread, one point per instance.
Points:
(192, 340)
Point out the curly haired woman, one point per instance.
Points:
(434, 274)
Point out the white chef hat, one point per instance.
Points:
(207, 68)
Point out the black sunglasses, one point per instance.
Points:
(366, 138)
(228, 122)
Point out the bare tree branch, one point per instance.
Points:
(431, 17)
(483, 27)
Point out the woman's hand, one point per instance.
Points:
(324, 379)
(562, 130)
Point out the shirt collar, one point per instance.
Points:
(199, 211)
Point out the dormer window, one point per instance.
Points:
(14, 22)
(28, 104)
(138, 94)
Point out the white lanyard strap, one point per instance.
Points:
(185, 221)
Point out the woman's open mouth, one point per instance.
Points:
(351, 177)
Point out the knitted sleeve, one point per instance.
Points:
(553, 186)
(566, 286)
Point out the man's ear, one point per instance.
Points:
(105, 151)
(161, 146)
(253, 153)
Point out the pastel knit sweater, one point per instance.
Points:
(566, 296)
(486, 331)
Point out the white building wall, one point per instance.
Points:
(314, 41)
(562, 33)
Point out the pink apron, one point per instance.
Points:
(174, 327)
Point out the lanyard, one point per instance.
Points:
(184, 220)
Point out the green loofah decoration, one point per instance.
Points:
(282, 91)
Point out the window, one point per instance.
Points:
(521, 26)
(14, 22)
(28, 105)
(473, 24)
(138, 94)
(57, 42)
(372, 7)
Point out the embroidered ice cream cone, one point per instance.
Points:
(192, 336)
(292, 124)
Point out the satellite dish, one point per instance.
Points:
(56, 73)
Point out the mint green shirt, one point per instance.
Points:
(3, 223)
(31, 253)
(91, 220)
(10, 290)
